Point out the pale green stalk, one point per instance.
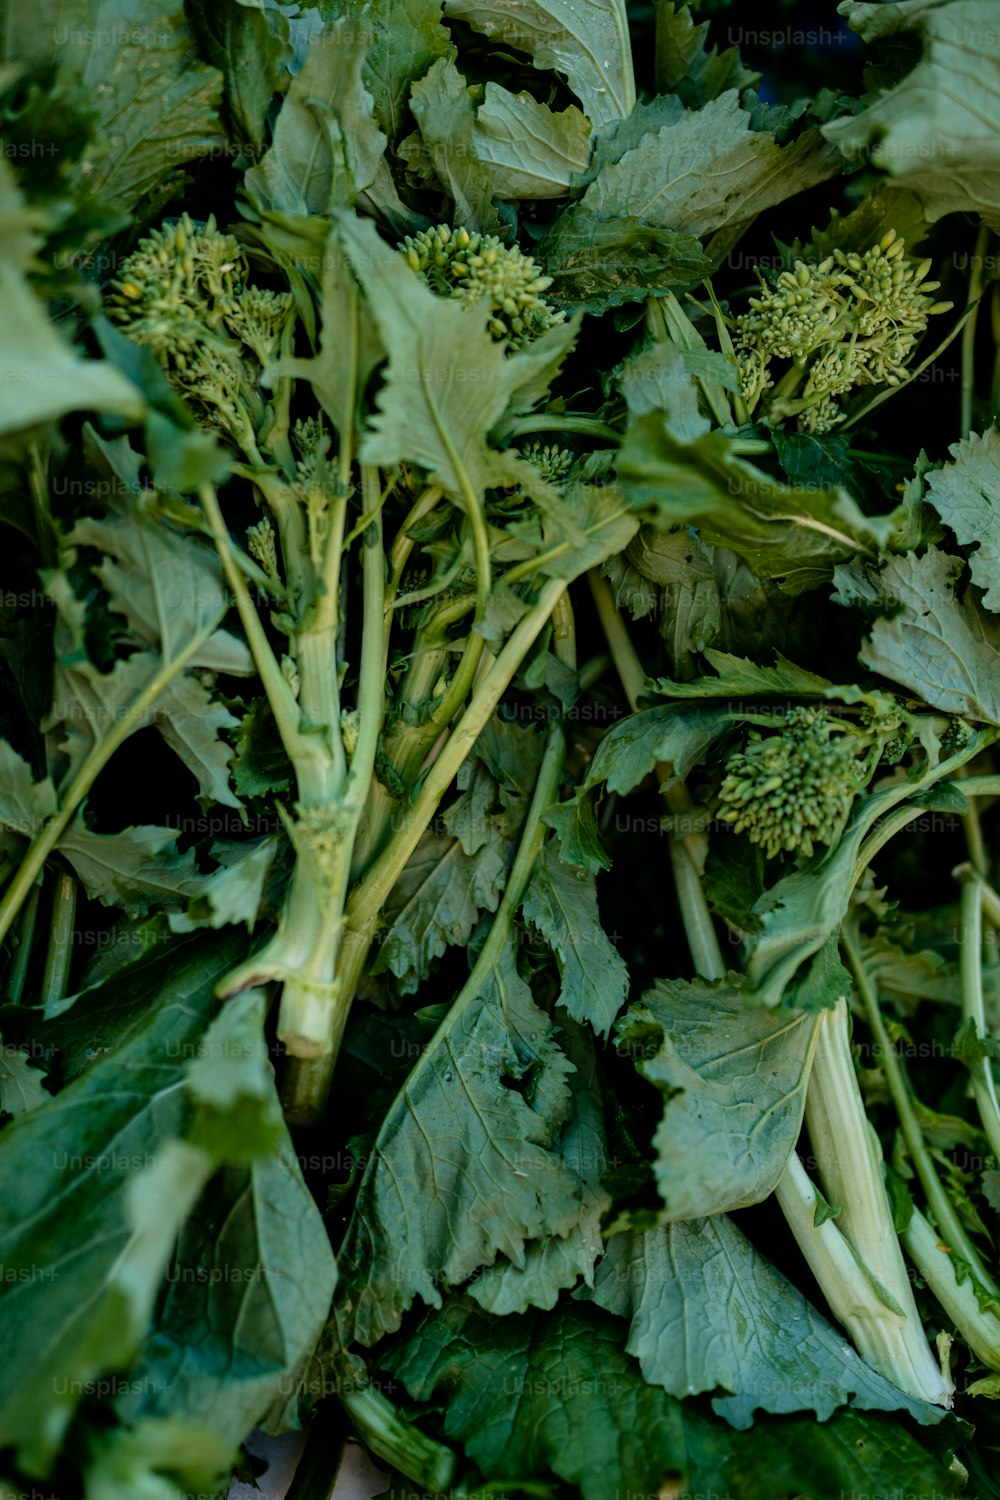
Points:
(948, 1221)
(936, 1264)
(970, 969)
(849, 1159)
(687, 856)
(312, 1082)
(879, 1334)
(62, 926)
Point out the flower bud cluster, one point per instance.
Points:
(793, 790)
(552, 462)
(470, 266)
(184, 294)
(851, 320)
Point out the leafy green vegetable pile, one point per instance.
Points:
(450, 450)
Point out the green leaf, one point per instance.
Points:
(597, 263)
(154, 103)
(854, 1453)
(966, 495)
(344, 319)
(250, 43)
(407, 38)
(98, 1183)
(554, 1264)
(945, 651)
(121, 988)
(582, 526)
(538, 1394)
(448, 383)
(562, 903)
(675, 735)
(260, 764)
(937, 131)
(685, 65)
(707, 170)
(437, 901)
(234, 892)
(588, 44)
(246, 1296)
(466, 1164)
(793, 534)
(709, 1313)
(533, 151)
(555, 1393)
(657, 378)
(741, 678)
(41, 375)
(135, 869)
(20, 1084)
(22, 224)
(167, 587)
(804, 910)
(327, 146)
(165, 583)
(734, 880)
(823, 983)
(24, 803)
(733, 1077)
(158, 1459)
(443, 109)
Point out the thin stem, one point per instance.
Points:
(25, 942)
(554, 422)
(970, 972)
(974, 840)
(277, 441)
(404, 544)
(39, 487)
(59, 957)
(980, 1330)
(948, 1222)
(280, 695)
(969, 331)
(367, 899)
(687, 855)
(55, 826)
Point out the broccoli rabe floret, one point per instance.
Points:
(851, 320)
(470, 266)
(793, 790)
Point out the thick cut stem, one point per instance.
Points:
(875, 1330)
(429, 1464)
(849, 1161)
